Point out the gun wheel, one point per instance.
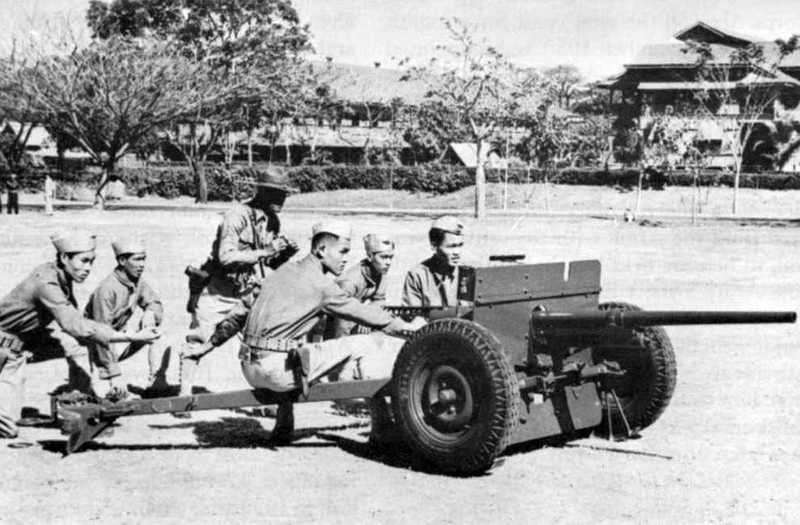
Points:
(645, 390)
(456, 396)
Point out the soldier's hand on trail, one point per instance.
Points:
(196, 352)
(146, 335)
(416, 323)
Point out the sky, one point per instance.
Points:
(597, 36)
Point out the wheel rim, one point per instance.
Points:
(444, 401)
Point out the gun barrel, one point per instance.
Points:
(627, 319)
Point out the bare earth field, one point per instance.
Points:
(726, 450)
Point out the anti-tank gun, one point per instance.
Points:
(532, 353)
(529, 353)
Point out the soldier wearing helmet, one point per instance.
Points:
(247, 248)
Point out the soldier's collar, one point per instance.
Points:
(369, 272)
(438, 266)
(122, 277)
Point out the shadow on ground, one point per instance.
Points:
(578, 441)
(248, 432)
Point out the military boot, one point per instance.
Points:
(283, 431)
(383, 430)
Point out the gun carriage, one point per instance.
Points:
(533, 354)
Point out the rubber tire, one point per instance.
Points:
(655, 381)
(477, 354)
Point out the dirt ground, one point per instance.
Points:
(726, 450)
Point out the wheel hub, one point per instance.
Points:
(450, 405)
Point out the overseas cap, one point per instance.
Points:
(73, 242)
(377, 243)
(340, 229)
(449, 224)
(125, 246)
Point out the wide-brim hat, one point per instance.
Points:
(270, 177)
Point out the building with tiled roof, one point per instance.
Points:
(664, 79)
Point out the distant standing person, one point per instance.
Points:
(49, 194)
(12, 185)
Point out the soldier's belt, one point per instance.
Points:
(252, 350)
(10, 342)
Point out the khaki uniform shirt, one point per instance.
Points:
(427, 285)
(113, 303)
(46, 295)
(360, 282)
(241, 236)
(293, 298)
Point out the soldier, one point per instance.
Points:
(12, 186)
(124, 301)
(366, 281)
(44, 302)
(248, 246)
(275, 327)
(434, 282)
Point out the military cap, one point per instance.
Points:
(376, 243)
(125, 246)
(73, 242)
(449, 224)
(340, 229)
(270, 177)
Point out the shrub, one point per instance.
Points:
(170, 181)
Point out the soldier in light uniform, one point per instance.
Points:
(248, 246)
(434, 282)
(366, 281)
(124, 301)
(43, 304)
(287, 308)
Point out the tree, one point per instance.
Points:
(472, 83)
(737, 91)
(429, 128)
(562, 81)
(249, 45)
(112, 94)
(303, 92)
(133, 18)
(15, 105)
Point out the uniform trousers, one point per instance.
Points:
(368, 356)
